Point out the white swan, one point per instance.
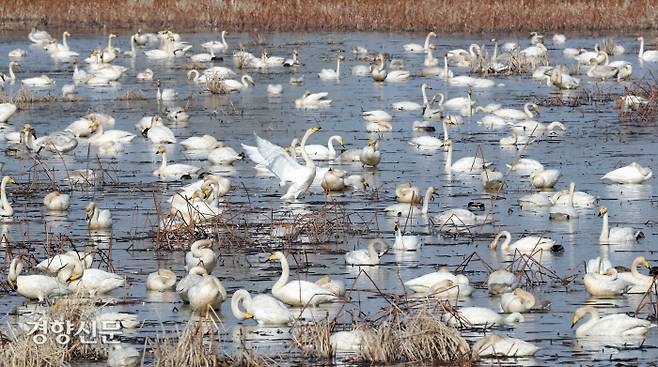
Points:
(161, 280)
(608, 284)
(39, 81)
(413, 106)
(224, 156)
(614, 326)
(525, 166)
(346, 341)
(294, 61)
(502, 281)
(317, 151)
(428, 283)
(177, 170)
(120, 356)
(376, 116)
(617, 235)
(651, 55)
(525, 244)
(98, 218)
(93, 281)
(640, 283)
(503, 346)
(564, 211)
(158, 133)
(544, 178)
(331, 74)
(431, 142)
(492, 179)
(53, 265)
(633, 173)
(207, 293)
(217, 46)
(245, 82)
(312, 100)
(516, 140)
(480, 317)
(263, 308)
(193, 277)
(57, 201)
(518, 300)
(39, 37)
(6, 210)
(39, 287)
(416, 48)
(101, 136)
(204, 142)
(369, 256)
(166, 94)
(471, 165)
(6, 111)
(460, 102)
(57, 142)
(299, 177)
(410, 209)
(580, 199)
(204, 57)
(535, 128)
(201, 254)
(406, 193)
(274, 89)
(514, 114)
(147, 74)
(298, 292)
(405, 242)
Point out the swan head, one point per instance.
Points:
(157, 83)
(341, 57)
(431, 34)
(89, 210)
(112, 36)
(66, 33)
(278, 255)
(580, 313)
(432, 46)
(248, 79)
(315, 129)
(602, 211)
(160, 150)
(9, 180)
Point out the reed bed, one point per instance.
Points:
(647, 112)
(340, 15)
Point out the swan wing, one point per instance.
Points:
(278, 161)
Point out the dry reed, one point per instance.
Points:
(341, 15)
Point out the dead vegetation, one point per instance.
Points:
(639, 103)
(23, 98)
(19, 349)
(363, 15)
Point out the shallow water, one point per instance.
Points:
(595, 142)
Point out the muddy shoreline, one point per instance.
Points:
(344, 15)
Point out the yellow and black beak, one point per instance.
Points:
(646, 264)
(602, 211)
(12, 284)
(271, 258)
(249, 316)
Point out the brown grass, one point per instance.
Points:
(338, 15)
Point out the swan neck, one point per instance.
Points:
(422, 89)
(285, 273)
(374, 256)
(427, 42)
(426, 201)
(338, 68)
(445, 131)
(307, 159)
(6, 206)
(240, 297)
(12, 76)
(445, 67)
(64, 42)
(495, 53)
(163, 165)
(641, 47)
(224, 40)
(448, 165)
(604, 229)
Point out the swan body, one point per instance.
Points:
(224, 156)
(98, 218)
(346, 341)
(208, 292)
(101, 136)
(313, 100)
(6, 111)
(525, 166)
(566, 211)
(640, 283)
(502, 281)
(459, 102)
(194, 276)
(406, 193)
(513, 114)
(416, 48)
(491, 179)
(405, 209)
(479, 317)
(96, 281)
(204, 142)
(5, 210)
(367, 257)
(331, 74)
(53, 265)
(376, 116)
(643, 55)
(161, 280)
(217, 46)
(580, 199)
(470, 165)
(535, 200)
(39, 37)
(263, 308)
(633, 173)
(147, 74)
(544, 178)
(39, 81)
(245, 82)
(427, 283)
(616, 325)
(370, 154)
(503, 346)
(56, 201)
(120, 356)
(405, 242)
(608, 284)
(298, 292)
(158, 133)
(274, 89)
(518, 300)
(58, 142)
(526, 244)
(317, 151)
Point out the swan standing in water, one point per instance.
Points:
(614, 326)
(39, 287)
(525, 244)
(98, 218)
(416, 48)
(633, 173)
(207, 293)
(161, 280)
(503, 346)
(617, 235)
(369, 256)
(298, 177)
(330, 74)
(298, 292)
(263, 308)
